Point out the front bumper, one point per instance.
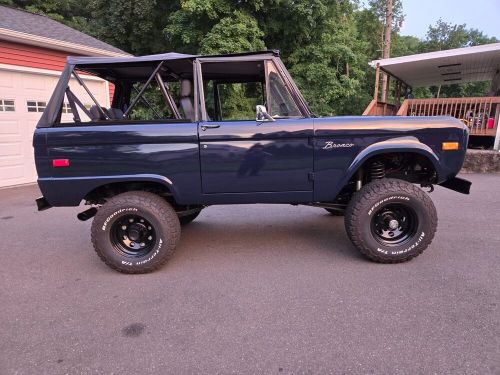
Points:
(458, 184)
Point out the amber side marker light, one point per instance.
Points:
(450, 146)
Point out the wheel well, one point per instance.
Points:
(409, 166)
(104, 192)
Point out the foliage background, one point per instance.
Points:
(326, 44)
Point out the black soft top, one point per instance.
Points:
(76, 60)
(141, 67)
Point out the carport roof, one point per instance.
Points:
(469, 64)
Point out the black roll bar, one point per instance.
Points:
(168, 96)
(90, 94)
(136, 99)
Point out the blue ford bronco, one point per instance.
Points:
(183, 132)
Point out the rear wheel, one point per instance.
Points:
(391, 221)
(135, 232)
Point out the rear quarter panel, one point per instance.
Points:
(98, 155)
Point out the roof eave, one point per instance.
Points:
(436, 54)
(39, 41)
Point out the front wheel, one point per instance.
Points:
(391, 221)
(135, 232)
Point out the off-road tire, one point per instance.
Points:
(184, 220)
(370, 202)
(335, 212)
(151, 209)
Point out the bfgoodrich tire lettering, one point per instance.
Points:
(391, 221)
(135, 232)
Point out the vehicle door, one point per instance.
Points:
(241, 153)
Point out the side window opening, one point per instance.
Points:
(229, 101)
(89, 99)
(233, 89)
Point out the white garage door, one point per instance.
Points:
(23, 96)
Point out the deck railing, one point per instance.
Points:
(479, 114)
(376, 108)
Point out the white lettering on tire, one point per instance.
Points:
(404, 251)
(152, 255)
(370, 211)
(108, 219)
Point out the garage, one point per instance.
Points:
(24, 95)
(33, 51)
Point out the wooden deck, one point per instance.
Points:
(481, 115)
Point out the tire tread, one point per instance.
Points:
(164, 212)
(364, 197)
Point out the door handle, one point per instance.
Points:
(209, 126)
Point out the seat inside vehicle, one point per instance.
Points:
(186, 99)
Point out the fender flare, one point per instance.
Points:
(401, 144)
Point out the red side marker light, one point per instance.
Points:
(57, 163)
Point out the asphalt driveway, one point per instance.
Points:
(254, 289)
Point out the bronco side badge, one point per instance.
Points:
(330, 144)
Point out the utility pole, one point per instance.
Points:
(386, 51)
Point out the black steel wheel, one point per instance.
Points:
(391, 221)
(133, 236)
(394, 224)
(135, 232)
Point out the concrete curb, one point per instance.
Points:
(481, 161)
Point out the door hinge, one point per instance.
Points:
(310, 176)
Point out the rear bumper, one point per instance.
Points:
(42, 204)
(457, 184)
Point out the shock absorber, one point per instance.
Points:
(377, 170)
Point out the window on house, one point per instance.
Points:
(35, 106)
(66, 108)
(7, 105)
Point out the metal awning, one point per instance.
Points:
(469, 64)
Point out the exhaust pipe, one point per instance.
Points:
(87, 214)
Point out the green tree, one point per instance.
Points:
(132, 25)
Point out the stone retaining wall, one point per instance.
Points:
(481, 161)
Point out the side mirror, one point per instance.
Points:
(262, 114)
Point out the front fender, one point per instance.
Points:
(69, 191)
(400, 144)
